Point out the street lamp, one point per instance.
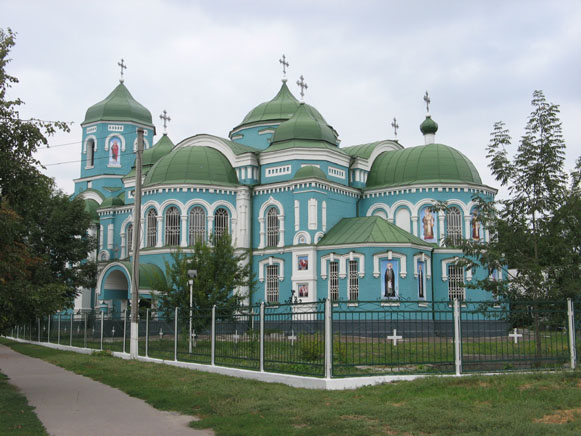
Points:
(192, 274)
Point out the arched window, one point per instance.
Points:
(172, 226)
(151, 228)
(91, 153)
(272, 227)
(454, 227)
(129, 241)
(220, 222)
(197, 225)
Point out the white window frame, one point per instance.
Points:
(172, 226)
(390, 255)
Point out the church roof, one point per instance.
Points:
(119, 106)
(150, 275)
(369, 229)
(203, 165)
(112, 202)
(91, 207)
(432, 163)
(159, 149)
(308, 172)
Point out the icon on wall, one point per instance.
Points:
(114, 149)
(428, 221)
(390, 278)
(303, 262)
(303, 290)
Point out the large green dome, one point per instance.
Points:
(432, 163)
(159, 150)
(119, 106)
(192, 165)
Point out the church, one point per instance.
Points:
(349, 222)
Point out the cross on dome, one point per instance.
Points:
(123, 67)
(285, 65)
(395, 126)
(303, 85)
(428, 101)
(165, 119)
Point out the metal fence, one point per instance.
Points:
(339, 339)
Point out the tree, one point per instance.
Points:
(220, 272)
(43, 239)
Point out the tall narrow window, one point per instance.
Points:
(172, 226)
(91, 153)
(197, 225)
(151, 228)
(220, 222)
(454, 228)
(272, 227)
(334, 280)
(272, 272)
(456, 282)
(353, 281)
(129, 234)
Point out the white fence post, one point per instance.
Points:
(175, 335)
(147, 333)
(262, 336)
(457, 337)
(572, 342)
(328, 338)
(213, 336)
(124, 328)
(102, 319)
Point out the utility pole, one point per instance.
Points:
(134, 341)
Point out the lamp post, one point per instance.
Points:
(192, 274)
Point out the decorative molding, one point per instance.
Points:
(271, 261)
(389, 255)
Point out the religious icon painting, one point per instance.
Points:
(389, 278)
(421, 273)
(114, 152)
(303, 263)
(428, 224)
(303, 290)
(475, 226)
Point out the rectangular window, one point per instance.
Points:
(334, 280)
(353, 281)
(456, 283)
(272, 284)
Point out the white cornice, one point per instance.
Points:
(204, 140)
(296, 184)
(336, 157)
(439, 187)
(102, 176)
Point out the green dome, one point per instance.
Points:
(119, 106)
(192, 165)
(432, 163)
(91, 207)
(308, 172)
(159, 150)
(429, 125)
(281, 108)
(112, 202)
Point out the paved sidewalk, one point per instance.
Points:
(69, 404)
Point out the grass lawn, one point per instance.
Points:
(16, 416)
(534, 404)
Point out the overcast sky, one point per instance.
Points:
(208, 63)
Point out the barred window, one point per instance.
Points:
(129, 233)
(220, 222)
(172, 226)
(197, 225)
(272, 227)
(151, 228)
(456, 282)
(353, 281)
(272, 283)
(334, 280)
(454, 228)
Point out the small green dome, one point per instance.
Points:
(119, 106)
(203, 165)
(112, 202)
(91, 207)
(309, 172)
(432, 163)
(159, 150)
(429, 125)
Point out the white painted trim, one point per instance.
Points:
(381, 206)
(293, 154)
(424, 258)
(270, 261)
(444, 266)
(91, 195)
(204, 140)
(118, 135)
(298, 235)
(390, 255)
(318, 237)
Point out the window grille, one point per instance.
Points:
(334, 280)
(272, 227)
(454, 229)
(456, 282)
(272, 283)
(172, 226)
(197, 225)
(220, 222)
(353, 281)
(151, 228)
(129, 238)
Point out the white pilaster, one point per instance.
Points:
(159, 230)
(184, 231)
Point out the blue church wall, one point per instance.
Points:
(252, 137)
(286, 170)
(259, 263)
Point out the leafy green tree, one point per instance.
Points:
(43, 239)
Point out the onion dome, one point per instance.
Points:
(200, 165)
(432, 163)
(303, 130)
(310, 172)
(159, 149)
(119, 106)
(429, 126)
